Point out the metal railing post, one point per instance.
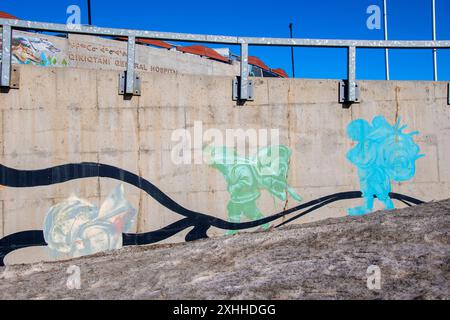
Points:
(130, 65)
(244, 72)
(5, 80)
(351, 74)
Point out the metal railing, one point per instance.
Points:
(243, 42)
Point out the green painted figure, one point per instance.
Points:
(246, 177)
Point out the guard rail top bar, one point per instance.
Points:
(244, 87)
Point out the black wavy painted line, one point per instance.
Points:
(201, 222)
(19, 240)
(409, 201)
(35, 238)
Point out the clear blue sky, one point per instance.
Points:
(337, 19)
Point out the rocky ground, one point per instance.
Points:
(323, 260)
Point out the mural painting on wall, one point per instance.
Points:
(247, 177)
(383, 153)
(35, 51)
(76, 227)
(27, 48)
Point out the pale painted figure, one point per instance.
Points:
(76, 227)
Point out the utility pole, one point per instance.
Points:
(89, 12)
(386, 51)
(435, 69)
(292, 51)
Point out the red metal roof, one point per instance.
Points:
(5, 15)
(280, 72)
(156, 43)
(203, 51)
(257, 62)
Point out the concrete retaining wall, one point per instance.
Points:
(67, 115)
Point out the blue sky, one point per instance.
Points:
(335, 19)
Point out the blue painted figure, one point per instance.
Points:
(383, 153)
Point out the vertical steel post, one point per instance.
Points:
(351, 74)
(386, 50)
(244, 72)
(130, 65)
(5, 80)
(435, 68)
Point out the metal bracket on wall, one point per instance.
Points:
(123, 85)
(15, 78)
(344, 93)
(237, 90)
